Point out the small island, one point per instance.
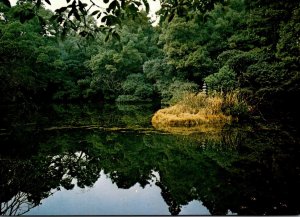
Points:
(200, 112)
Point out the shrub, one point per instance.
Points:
(224, 80)
(128, 98)
(179, 89)
(136, 88)
(234, 105)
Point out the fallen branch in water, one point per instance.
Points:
(97, 127)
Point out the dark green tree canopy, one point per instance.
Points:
(248, 46)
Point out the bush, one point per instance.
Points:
(177, 90)
(136, 88)
(128, 98)
(224, 80)
(234, 105)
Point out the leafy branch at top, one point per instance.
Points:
(110, 13)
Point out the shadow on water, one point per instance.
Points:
(247, 170)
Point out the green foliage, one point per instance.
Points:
(114, 61)
(136, 88)
(288, 45)
(234, 105)
(27, 60)
(178, 89)
(223, 80)
(110, 13)
(249, 45)
(181, 49)
(191, 47)
(45, 67)
(157, 69)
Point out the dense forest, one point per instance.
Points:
(251, 47)
(111, 112)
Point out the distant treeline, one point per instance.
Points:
(248, 46)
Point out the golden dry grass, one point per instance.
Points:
(197, 112)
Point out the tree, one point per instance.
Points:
(192, 47)
(136, 88)
(263, 72)
(115, 62)
(28, 58)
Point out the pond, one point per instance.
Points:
(109, 160)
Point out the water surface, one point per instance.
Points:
(107, 160)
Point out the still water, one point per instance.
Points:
(109, 160)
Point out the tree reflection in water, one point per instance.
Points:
(24, 183)
(242, 170)
(17, 205)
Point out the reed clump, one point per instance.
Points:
(200, 110)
